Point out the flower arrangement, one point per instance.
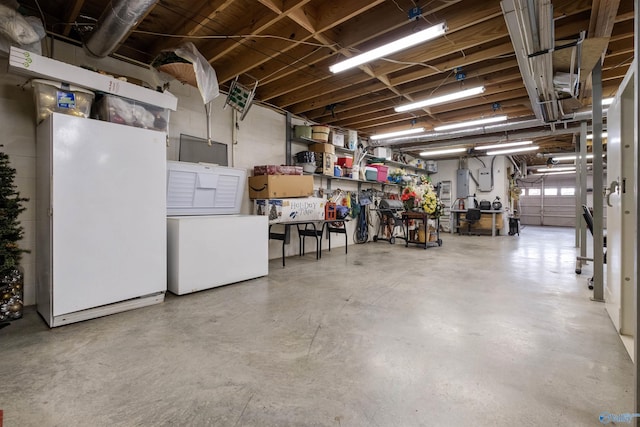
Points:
(422, 196)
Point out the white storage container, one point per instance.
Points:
(204, 189)
(115, 109)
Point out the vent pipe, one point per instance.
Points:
(114, 24)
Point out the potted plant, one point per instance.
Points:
(11, 232)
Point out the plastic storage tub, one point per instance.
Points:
(55, 97)
(126, 111)
(383, 171)
(345, 161)
(370, 173)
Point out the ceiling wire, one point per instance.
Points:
(239, 36)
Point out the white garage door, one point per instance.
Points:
(551, 200)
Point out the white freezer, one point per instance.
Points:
(101, 218)
(209, 251)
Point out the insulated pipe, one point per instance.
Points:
(114, 24)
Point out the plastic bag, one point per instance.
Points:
(205, 74)
(33, 22)
(16, 28)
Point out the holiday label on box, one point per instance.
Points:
(291, 210)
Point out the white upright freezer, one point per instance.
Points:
(101, 218)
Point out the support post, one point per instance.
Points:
(582, 168)
(598, 208)
(636, 184)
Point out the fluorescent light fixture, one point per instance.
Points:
(398, 133)
(570, 157)
(442, 152)
(441, 99)
(607, 101)
(504, 145)
(389, 48)
(553, 173)
(478, 122)
(604, 135)
(512, 150)
(560, 169)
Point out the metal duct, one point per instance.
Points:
(114, 24)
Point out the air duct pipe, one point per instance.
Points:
(114, 24)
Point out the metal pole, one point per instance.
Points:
(578, 194)
(636, 184)
(598, 208)
(542, 201)
(582, 168)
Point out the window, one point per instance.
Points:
(568, 191)
(534, 192)
(551, 191)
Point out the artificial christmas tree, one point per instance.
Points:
(11, 232)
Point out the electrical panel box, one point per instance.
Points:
(484, 179)
(462, 183)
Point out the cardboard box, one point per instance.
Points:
(324, 163)
(277, 170)
(322, 148)
(279, 186)
(337, 139)
(289, 210)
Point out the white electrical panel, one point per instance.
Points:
(484, 179)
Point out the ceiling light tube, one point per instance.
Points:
(555, 169)
(442, 152)
(504, 145)
(570, 157)
(470, 123)
(441, 99)
(553, 173)
(398, 133)
(389, 48)
(512, 150)
(604, 135)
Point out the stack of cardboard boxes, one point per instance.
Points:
(283, 194)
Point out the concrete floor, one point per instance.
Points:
(482, 331)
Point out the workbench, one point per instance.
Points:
(496, 220)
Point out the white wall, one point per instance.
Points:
(447, 171)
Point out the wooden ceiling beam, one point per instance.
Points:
(71, 14)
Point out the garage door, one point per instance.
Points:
(548, 201)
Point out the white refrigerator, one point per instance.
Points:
(101, 218)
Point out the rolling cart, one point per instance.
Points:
(390, 220)
(421, 217)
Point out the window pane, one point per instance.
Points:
(551, 191)
(568, 191)
(534, 191)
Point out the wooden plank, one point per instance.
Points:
(71, 14)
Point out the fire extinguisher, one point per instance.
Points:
(461, 204)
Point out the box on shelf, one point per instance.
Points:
(55, 97)
(382, 172)
(277, 170)
(323, 148)
(289, 210)
(382, 152)
(324, 163)
(115, 109)
(337, 139)
(345, 161)
(278, 186)
(370, 173)
(431, 166)
(302, 132)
